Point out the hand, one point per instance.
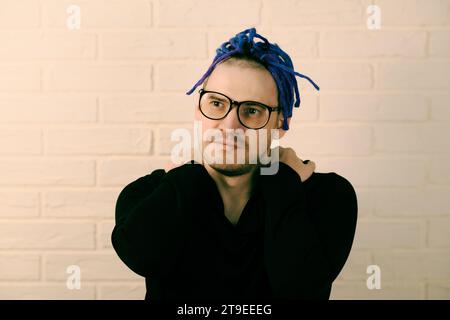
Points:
(289, 157)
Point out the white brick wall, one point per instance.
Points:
(84, 112)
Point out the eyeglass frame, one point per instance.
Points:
(238, 103)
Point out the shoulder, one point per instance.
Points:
(332, 200)
(181, 177)
(332, 203)
(151, 178)
(143, 184)
(330, 184)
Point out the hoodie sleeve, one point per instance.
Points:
(305, 252)
(150, 224)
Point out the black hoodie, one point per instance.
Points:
(290, 242)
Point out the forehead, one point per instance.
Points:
(243, 83)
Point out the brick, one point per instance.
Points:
(366, 201)
(387, 234)
(423, 202)
(438, 233)
(356, 265)
(19, 14)
(412, 138)
(47, 172)
(20, 78)
(322, 12)
(160, 44)
(438, 291)
(186, 75)
(413, 75)
(414, 265)
(388, 291)
(333, 75)
(105, 229)
(206, 13)
(47, 45)
(165, 144)
(330, 140)
(19, 204)
(440, 170)
(307, 140)
(118, 78)
(46, 235)
(93, 266)
(155, 108)
(368, 43)
(48, 109)
(435, 135)
(20, 141)
(307, 111)
(440, 110)
(19, 266)
(119, 172)
(297, 42)
(414, 12)
(122, 292)
(370, 107)
(79, 204)
(377, 171)
(98, 141)
(100, 13)
(439, 44)
(44, 291)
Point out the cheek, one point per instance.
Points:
(272, 124)
(208, 123)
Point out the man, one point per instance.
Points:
(216, 230)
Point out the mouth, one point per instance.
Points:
(228, 146)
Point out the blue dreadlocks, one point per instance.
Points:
(270, 55)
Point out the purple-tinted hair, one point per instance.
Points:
(270, 55)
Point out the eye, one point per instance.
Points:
(216, 103)
(251, 111)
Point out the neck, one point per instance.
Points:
(240, 186)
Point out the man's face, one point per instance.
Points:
(240, 83)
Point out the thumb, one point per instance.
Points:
(309, 167)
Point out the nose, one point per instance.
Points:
(231, 121)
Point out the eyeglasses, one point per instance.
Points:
(251, 114)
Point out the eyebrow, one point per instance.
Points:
(218, 97)
(215, 96)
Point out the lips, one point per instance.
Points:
(228, 144)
